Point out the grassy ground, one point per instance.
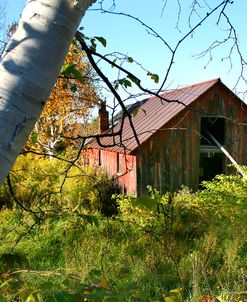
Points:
(182, 247)
(120, 259)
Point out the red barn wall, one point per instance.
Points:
(124, 175)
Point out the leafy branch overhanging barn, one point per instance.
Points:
(176, 146)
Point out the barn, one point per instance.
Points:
(191, 134)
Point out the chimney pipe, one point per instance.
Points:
(103, 118)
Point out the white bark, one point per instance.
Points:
(29, 68)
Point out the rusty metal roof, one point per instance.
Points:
(152, 115)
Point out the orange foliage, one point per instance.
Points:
(68, 107)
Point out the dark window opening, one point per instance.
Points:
(211, 164)
(214, 126)
(212, 160)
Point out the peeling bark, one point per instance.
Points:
(29, 68)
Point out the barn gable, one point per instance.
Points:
(174, 148)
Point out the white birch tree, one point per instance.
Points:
(29, 67)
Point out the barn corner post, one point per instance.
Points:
(29, 68)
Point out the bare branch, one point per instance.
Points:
(223, 3)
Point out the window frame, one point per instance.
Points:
(119, 164)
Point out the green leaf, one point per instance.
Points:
(93, 45)
(101, 40)
(134, 79)
(86, 37)
(70, 69)
(130, 59)
(126, 83)
(154, 77)
(65, 86)
(78, 75)
(67, 69)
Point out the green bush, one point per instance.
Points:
(225, 197)
(204, 233)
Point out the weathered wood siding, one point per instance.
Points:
(172, 153)
(108, 160)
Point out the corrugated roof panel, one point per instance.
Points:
(153, 115)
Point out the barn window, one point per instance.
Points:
(212, 159)
(212, 126)
(119, 163)
(100, 158)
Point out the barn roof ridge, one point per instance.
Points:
(183, 87)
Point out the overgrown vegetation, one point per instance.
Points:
(56, 245)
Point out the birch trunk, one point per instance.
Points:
(29, 68)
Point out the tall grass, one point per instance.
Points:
(185, 247)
